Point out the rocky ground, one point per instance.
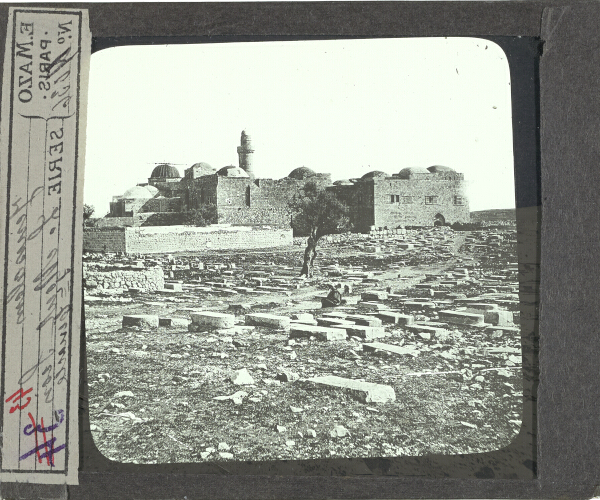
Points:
(167, 394)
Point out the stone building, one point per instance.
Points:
(413, 197)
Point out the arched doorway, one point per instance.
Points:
(439, 220)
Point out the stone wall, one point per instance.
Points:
(110, 239)
(170, 239)
(264, 201)
(412, 207)
(162, 205)
(194, 239)
(117, 279)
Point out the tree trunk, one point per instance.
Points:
(310, 253)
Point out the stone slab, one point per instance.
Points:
(268, 320)
(176, 287)
(396, 318)
(499, 318)
(364, 320)
(304, 322)
(415, 305)
(373, 295)
(480, 308)
(320, 332)
(462, 318)
(334, 314)
(142, 320)
(421, 328)
(365, 392)
(366, 332)
(394, 349)
(303, 317)
(212, 320)
(335, 322)
(372, 306)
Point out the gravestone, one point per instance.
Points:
(141, 320)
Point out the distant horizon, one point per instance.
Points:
(343, 107)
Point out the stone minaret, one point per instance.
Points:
(245, 152)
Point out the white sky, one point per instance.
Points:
(344, 106)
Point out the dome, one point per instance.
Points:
(405, 173)
(373, 174)
(343, 182)
(232, 171)
(301, 173)
(139, 192)
(165, 170)
(436, 169)
(151, 189)
(203, 168)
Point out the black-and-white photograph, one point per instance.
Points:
(301, 250)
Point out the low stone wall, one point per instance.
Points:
(351, 238)
(193, 239)
(104, 239)
(147, 279)
(172, 239)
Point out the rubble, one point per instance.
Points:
(428, 291)
(268, 320)
(319, 332)
(365, 392)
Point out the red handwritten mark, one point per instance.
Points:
(36, 439)
(49, 456)
(16, 397)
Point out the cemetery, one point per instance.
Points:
(229, 355)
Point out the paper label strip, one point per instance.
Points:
(44, 94)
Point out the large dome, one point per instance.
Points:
(405, 173)
(436, 169)
(301, 173)
(373, 174)
(203, 168)
(232, 171)
(165, 170)
(139, 192)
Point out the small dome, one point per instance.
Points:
(232, 171)
(343, 182)
(373, 174)
(301, 173)
(165, 171)
(436, 169)
(405, 173)
(203, 168)
(151, 189)
(138, 192)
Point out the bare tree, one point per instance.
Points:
(316, 213)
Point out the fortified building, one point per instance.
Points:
(412, 197)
